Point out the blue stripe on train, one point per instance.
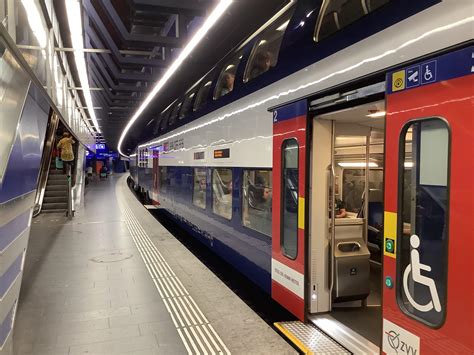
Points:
(245, 249)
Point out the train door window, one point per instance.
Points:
(257, 201)
(222, 192)
(337, 14)
(225, 84)
(267, 47)
(423, 227)
(289, 195)
(187, 104)
(199, 190)
(202, 96)
(174, 114)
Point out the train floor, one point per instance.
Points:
(367, 321)
(113, 280)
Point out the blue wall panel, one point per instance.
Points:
(24, 163)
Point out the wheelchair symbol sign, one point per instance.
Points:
(413, 271)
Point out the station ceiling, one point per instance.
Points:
(134, 41)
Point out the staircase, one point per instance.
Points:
(56, 192)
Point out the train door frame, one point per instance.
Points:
(322, 154)
(288, 272)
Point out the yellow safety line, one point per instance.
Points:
(293, 338)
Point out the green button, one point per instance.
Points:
(388, 282)
(389, 245)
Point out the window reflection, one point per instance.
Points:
(222, 192)
(265, 51)
(199, 190)
(257, 200)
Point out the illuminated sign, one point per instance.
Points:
(222, 153)
(100, 146)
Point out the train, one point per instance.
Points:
(327, 159)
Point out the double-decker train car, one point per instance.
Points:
(327, 159)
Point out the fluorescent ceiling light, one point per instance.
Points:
(197, 38)
(357, 164)
(376, 114)
(35, 21)
(408, 164)
(73, 9)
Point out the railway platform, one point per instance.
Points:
(113, 280)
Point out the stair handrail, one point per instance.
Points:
(70, 211)
(45, 162)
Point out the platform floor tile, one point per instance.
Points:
(113, 281)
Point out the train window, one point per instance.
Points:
(156, 127)
(289, 196)
(257, 201)
(423, 223)
(174, 114)
(225, 84)
(337, 14)
(164, 181)
(265, 51)
(202, 96)
(222, 192)
(187, 103)
(164, 120)
(199, 191)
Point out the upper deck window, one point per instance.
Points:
(202, 96)
(337, 14)
(174, 114)
(164, 120)
(225, 84)
(267, 46)
(186, 107)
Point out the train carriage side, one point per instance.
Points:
(204, 171)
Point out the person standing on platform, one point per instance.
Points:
(67, 153)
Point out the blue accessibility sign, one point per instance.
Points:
(445, 67)
(413, 76)
(428, 72)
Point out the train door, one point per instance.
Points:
(428, 241)
(288, 207)
(346, 216)
(156, 176)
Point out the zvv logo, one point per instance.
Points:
(399, 345)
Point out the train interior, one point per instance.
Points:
(345, 143)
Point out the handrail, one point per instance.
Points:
(69, 212)
(333, 214)
(45, 162)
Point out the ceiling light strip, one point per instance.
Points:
(73, 9)
(197, 38)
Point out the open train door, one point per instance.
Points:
(288, 235)
(428, 240)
